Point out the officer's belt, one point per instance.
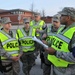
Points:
(6, 66)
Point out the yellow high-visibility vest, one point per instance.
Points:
(37, 26)
(61, 43)
(9, 44)
(26, 41)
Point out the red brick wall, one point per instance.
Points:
(47, 19)
(14, 17)
(28, 14)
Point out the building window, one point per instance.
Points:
(11, 12)
(22, 12)
(17, 12)
(14, 12)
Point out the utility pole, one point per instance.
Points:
(32, 9)
(19, 18)
(43, 13)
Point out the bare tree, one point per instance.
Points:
(32, 8)
(43, 13)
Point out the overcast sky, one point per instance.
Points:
(51, 7)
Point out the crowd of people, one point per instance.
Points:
(59, 36)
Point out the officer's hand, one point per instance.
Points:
(19, 56)
(37, 30)
(45, 42)
(51, 51)
(14, 58)
(44, 36)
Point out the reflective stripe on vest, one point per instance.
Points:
(25, 34)
(61, 42)
(7, 41)
(14, 52)
(65, 39)
(49, 30)
(26, 49)
(5, 34)
(60, 28)
(26, 40)
(5, 58)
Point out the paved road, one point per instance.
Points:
(36, 70)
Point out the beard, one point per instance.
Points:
(63, 23)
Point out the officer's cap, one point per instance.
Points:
(68, 11)
(25, 20)
(6, 20)
(56, 18)
(37, 14)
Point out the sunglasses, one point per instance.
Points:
(27, 23)
(64, 15)
(55, 21)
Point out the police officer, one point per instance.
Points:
(37, 23)
(62, 50)
(51, 29)
(28, 46)
(9, 48)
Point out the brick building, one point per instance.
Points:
(47, 19)
(17, 15)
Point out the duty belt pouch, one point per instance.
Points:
(1, 67)
(42, 58)
(7, 68)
